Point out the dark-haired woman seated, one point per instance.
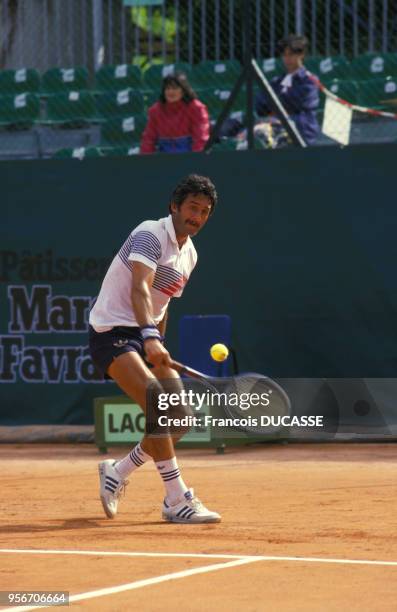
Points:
(178, 122)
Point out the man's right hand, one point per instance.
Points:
(156, 353)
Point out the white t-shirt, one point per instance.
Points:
(154, 244)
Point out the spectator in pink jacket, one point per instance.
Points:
(178, 122)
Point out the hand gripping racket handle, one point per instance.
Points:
(186, 371)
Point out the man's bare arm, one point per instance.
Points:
(142, 280)
(162, 326)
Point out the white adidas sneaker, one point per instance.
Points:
(189, 509)
(112, 485)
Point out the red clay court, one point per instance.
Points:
(304, 527)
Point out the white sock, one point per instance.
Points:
(174, 485)
(132, 461)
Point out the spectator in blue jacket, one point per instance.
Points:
(296, 89)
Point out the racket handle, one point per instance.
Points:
(186, 371)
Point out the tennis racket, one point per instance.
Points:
(184, 370)
(261, 401)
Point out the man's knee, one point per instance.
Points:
(167, 408)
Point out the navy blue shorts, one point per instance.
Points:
(106, 346)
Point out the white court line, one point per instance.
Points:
(107, 553)
(326, 560)
(236, 560)
(197, 556)
(147, 582)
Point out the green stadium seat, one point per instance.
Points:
(151, 97)
(214, 104)
(271, 67)
(391, 64)
(379, 94)
(373, 66)
(121, 103)
(239, 115)
(155, 74)
(116, 78)
(221, 75)
(78, 153)
(328, 68)
(74, 109)
(133, 149)
(215, 100)
(62, 80)
(347, 90)
(123, 131)
(24, 80)
(19, 112)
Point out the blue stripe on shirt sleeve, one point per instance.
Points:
(147, 245)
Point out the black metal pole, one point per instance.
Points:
(249, 118)
(226, 110)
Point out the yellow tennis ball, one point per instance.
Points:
(219, 352)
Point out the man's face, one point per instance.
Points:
(292, 61)
(192, 214)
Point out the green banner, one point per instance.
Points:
(300, 252)
(125, 423)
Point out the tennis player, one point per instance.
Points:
(127, 326)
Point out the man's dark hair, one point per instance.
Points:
(178, 79)
(293, 42)
(194, 184)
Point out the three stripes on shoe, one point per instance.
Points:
(111, 484)
(186, 512)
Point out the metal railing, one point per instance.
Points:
(45, 33)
